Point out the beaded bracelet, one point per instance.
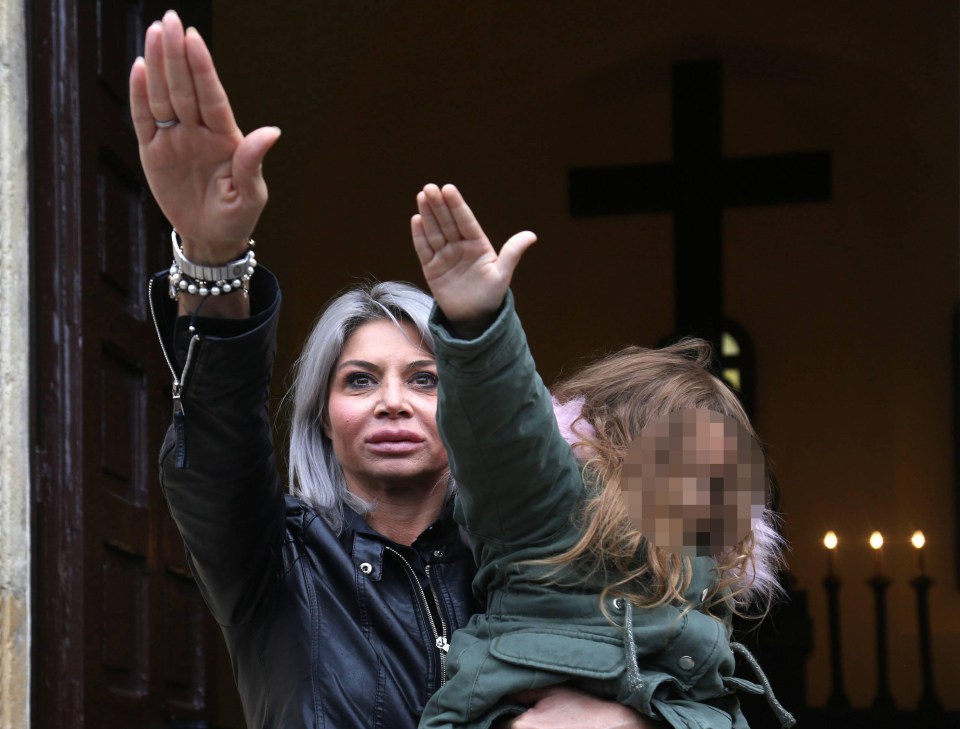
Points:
(192, 278)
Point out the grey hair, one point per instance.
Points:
(315, 473)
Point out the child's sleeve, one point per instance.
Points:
(518, 480)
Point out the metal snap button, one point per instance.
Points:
(618, 603)
(366, 568)
(438, 553)
(686, 663)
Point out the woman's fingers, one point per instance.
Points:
(212, 102)
(143, 123)
(183, 96)
(181, 80)
(157, 92)
(206, 176)
(561, 707)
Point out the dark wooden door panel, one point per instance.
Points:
(122, 636)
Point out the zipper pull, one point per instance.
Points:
(442, 644)
(179, 427)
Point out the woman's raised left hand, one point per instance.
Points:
(467, 277)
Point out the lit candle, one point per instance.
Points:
(918, 540)
(830, 542)
(876, 542)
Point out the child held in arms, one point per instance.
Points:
(615, 564)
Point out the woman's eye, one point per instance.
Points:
(425, 379)
(359, 379)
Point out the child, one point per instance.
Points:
(586, 599)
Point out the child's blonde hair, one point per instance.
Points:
(618, 395)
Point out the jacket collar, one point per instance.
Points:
(439, 542)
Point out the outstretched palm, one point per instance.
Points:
(203, 172)
(466, 276)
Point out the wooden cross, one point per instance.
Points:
(696, 187)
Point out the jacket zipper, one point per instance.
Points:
(179, 416)
(442, 642)
(440, 637)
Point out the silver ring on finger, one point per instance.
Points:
(166, 123)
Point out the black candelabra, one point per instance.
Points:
(883, 710)
(831, 583)
(883, 701)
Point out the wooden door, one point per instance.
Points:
(121, 636)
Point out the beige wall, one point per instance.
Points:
(849, 303)
(14, 374)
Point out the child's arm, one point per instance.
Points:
(518, 480)
(517, 476)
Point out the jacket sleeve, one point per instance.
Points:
(517, 478)
(217, 466)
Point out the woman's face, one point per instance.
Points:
(382, 410)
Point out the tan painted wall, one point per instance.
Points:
(14, 375)
(849, 303)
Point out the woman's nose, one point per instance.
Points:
(393, 398)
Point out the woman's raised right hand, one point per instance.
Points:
(203, 172)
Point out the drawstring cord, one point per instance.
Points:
(636, 683)
(785, 717)
(630, 649)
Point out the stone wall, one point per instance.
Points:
(14, 372)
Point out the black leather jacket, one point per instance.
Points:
(324, 630)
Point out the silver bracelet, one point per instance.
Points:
(234, 269)
(192, 278)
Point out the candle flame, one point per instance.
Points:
(830, 540)
(918, 540)
(876, 540)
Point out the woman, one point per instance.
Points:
(335, 615)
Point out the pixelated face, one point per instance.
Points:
(694, 482)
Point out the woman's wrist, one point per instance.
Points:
(209, 276)
(216, 254)
(213, 253)
(190, 277)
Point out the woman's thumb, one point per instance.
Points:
(248, 160)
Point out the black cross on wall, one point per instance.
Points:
(696, 187)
